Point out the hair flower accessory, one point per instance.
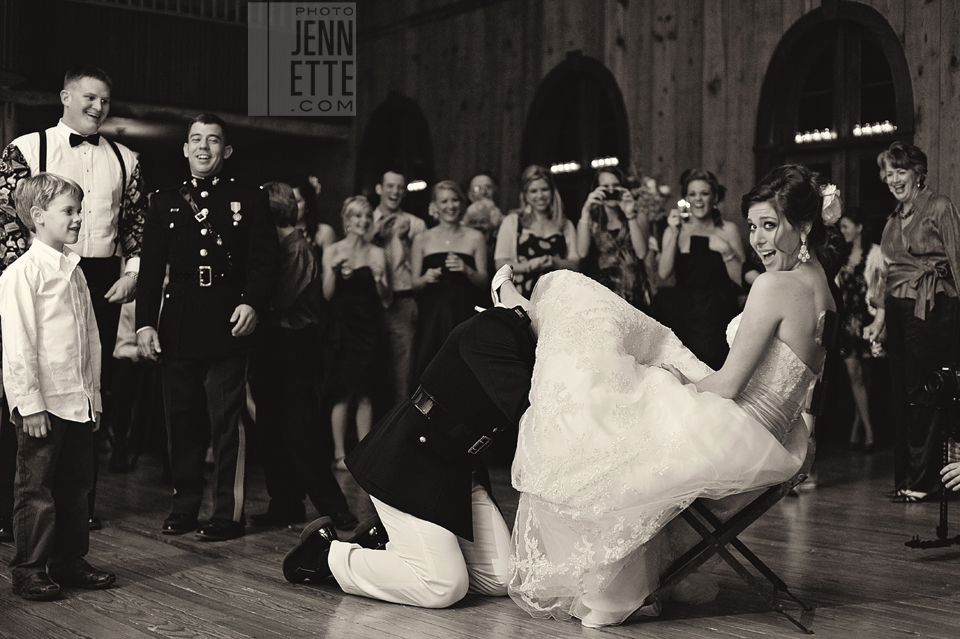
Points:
(831, 204)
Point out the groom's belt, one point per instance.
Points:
(464, 436)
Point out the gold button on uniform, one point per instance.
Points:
(203, 231)
(423, 440)
(203, 252)
(171, 224)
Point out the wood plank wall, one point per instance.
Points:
(690, 71)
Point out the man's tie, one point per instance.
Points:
(77, 140)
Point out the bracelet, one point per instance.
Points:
(132, 275)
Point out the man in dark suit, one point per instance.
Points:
(222, 250)
(422, 471)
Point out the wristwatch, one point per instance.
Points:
(132, 274)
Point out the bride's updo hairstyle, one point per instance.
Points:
(794, 192)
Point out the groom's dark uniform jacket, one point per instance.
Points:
(421, 458)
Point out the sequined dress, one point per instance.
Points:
(613, 447)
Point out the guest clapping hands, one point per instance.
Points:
(355, 281)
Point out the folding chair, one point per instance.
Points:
(717, 534)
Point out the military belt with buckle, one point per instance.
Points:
(456, 430)
(203, 276)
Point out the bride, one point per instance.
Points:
(626, 427)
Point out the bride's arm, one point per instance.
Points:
(761, 317)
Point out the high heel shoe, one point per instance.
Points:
(504, 274)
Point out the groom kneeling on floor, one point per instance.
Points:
(422, 470)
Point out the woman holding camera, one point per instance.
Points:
(355, 283)
(449, 263)
(706, 255)
(612, 238)
(921, 249)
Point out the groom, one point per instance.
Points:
(422, 470)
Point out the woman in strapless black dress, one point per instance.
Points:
(449, 264)
(355, 282)
(706, 255)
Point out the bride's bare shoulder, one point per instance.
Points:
(791, 291)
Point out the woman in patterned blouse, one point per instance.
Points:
(921, 250)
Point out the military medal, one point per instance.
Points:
(235, 207)
(201, 215)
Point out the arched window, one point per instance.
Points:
(397, 137)
(577, 117)
(837, 92)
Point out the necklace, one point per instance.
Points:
(450, 236)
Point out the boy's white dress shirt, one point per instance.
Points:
(51, 347)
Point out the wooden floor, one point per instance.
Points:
(839, 547)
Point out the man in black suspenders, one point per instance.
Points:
(114, 206)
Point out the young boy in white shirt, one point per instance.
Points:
(51, 374)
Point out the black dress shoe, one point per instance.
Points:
(308, 559)
(272, 518)
(83, 575)
(221, 530)
(95, 524)
(37, 587)
(6, 530)
(370, 534)
(345, 520)
(177, 524)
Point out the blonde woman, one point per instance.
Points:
(536, 239)
(355, 282)
(449, 272)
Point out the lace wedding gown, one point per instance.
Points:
(613, 447)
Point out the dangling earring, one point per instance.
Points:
(804, 254)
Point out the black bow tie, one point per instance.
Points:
(77, 140)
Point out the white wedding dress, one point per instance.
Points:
(613, 447)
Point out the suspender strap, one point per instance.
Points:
(123, 188)
(43, 151)
(123, 175)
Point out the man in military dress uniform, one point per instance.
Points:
(422, 470)
(223, 254)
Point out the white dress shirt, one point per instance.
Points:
(97, 171)
(51, 347)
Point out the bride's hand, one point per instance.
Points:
(673, 370)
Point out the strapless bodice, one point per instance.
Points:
(779, 388)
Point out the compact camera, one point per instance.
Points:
(611, 194)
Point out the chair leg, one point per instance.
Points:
(725, 554)
(765, 570)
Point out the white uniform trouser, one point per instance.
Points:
(426, 565)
